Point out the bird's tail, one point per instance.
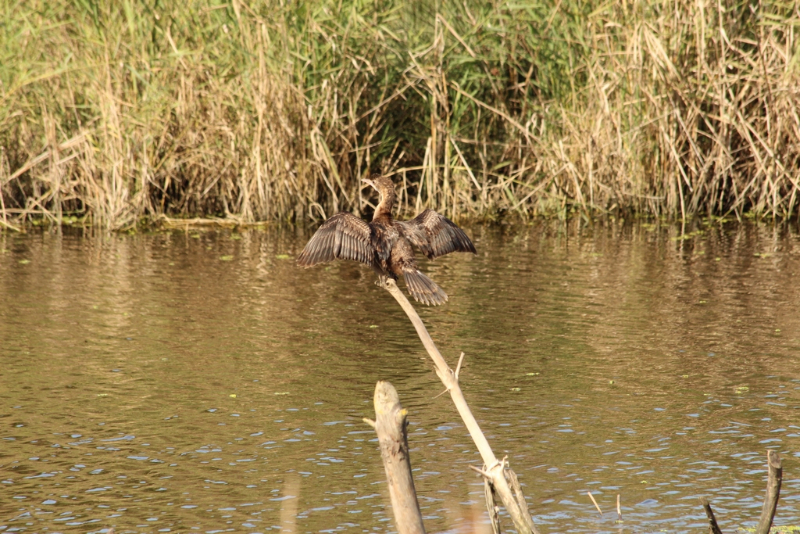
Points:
(423, 289)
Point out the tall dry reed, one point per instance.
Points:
(275, 110)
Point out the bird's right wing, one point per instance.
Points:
(343, 236)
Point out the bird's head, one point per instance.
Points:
(381, 184)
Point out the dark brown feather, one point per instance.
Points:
(435, 235)
(423, 289)
(343, 236)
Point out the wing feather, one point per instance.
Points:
(344, 236)
(435, 235)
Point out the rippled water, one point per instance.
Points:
(200, 381)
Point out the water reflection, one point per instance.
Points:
(200, 381)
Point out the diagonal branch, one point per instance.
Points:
(495, 468)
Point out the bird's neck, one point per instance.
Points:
(384, 209)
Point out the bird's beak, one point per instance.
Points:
(369, 182)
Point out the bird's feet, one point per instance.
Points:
(383, 282)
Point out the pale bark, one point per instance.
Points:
(390, 425)
(493, 469)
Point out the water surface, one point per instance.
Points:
(200, 381)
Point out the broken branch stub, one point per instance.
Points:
(773, 492)
(390, 425)
(491, 505)
(712, 521)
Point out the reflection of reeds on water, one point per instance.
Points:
(275, 110)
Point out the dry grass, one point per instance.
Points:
(259, 111)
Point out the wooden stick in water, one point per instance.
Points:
(390, 424)
(491, 506)
(712, 521)
(773, 492)
(589, 493)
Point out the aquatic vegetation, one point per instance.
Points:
(275, 110)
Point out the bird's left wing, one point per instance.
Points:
(343, 236)
(435, 235)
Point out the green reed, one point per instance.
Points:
(275, 110)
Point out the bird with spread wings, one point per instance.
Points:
(385, 244)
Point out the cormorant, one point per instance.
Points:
(385, 244)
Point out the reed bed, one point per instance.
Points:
(114, 113)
